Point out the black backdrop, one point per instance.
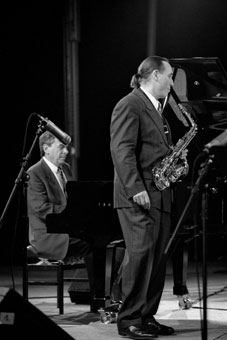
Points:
(114, 39)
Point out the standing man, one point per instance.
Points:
(140, 139)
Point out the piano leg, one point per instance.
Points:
(102, 266)
(115, 254)
(179, 254)
(180, 266)
(96, 274)
(93, 291)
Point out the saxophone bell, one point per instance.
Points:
(160, 181)
(179, 170)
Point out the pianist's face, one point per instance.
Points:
(56, 152)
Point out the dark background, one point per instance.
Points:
(114, 39)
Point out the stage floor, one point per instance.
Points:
(81, 324)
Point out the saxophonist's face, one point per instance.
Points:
(164, 81)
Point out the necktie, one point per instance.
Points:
(165, 125)
(159, 109)
(61, 178)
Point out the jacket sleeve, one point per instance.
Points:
(124, 130)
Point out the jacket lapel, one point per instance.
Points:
(151, 110)
(50, 177)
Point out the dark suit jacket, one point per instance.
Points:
(138, 143)
(45, 196)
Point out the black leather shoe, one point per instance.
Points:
(137, 332)
(158, 329)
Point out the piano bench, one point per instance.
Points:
(40, 274)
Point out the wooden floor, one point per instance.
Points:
(79, 323)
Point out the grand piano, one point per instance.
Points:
(89, 215)
(200, 85)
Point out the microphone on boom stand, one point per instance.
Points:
(57, 132)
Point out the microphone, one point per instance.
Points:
(57, 132)
(220, 140)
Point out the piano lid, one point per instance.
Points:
(201, 86)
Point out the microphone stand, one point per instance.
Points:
(202, 173)
(21, 176)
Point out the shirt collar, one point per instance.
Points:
(53, 167)
(154, 101)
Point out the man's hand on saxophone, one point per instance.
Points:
(183, 157)
(184, 154)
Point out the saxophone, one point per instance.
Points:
(170, 169)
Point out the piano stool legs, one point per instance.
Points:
(114, 256)
(44, 279)
(43, 269)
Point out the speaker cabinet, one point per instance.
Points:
(20, 319)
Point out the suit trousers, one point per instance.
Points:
(146, 234)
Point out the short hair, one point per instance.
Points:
(45, 138)
(145, 69)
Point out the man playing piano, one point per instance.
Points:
(46, 194)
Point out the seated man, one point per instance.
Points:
(46, 194)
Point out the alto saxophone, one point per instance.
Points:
(170, 169)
